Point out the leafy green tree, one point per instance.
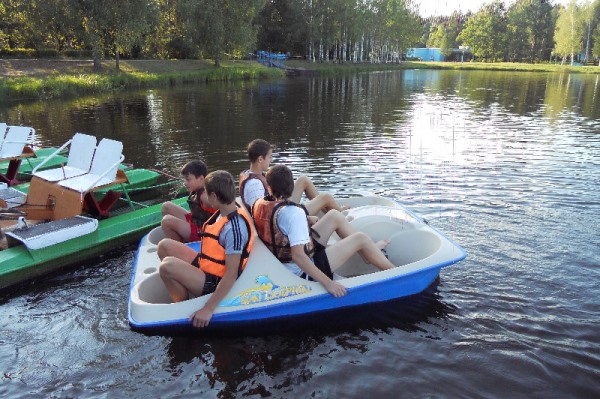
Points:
(111, 26)
(436, 35)
(485, 32)
(569, 32)
(439, 38)
(56, 25)
(15, 25)
(221, 26)
(531, 29)
(280, 27)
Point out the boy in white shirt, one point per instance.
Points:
(284, 228)
(253, 185)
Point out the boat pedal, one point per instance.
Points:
(12, 197)
(46, 234)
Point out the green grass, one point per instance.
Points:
(43, 79)
(349, 68)
(70, 84)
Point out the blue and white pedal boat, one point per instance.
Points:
(266, 291)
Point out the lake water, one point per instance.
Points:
(506, 164)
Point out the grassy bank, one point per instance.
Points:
(43, 79)
(337, 69)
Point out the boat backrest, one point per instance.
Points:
(15, 140)
(108, 155)
(81, 151)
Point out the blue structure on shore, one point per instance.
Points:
(271, 59)
(425, 54)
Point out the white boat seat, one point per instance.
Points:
(81, 153)
(104, 167)
(15, 140)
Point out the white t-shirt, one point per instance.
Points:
(253, 190)
(292, 222)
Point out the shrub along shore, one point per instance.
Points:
(43, 79)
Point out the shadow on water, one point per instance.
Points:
(247, 358)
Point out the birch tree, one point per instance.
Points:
(596, 47)
(590, 12)
(568, 35)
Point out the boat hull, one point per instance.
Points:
(18, 264)
(266, 292)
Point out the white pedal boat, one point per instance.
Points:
(266, 291)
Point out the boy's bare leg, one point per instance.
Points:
(169, 208)
(303, 185)
(335, 221)
(181, 278)
(168, 247)
(175, 228)
(323, 202)
(330, 222)
(341, 251)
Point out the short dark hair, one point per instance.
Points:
(281, 181)
(257, 148)
(196, 168)
(221, 183)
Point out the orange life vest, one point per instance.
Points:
(244, 178)
(200, 212)
(265, 213)
(212, 255)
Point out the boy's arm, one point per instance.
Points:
(204, 199)
(201, 317)
(303, 261)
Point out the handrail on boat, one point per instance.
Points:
(115, 165)
(51, 156)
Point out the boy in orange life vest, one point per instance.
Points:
(180, 224)
(254, 186)
(227, 239)
(284, 228)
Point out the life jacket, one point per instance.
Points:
(212, 255)
(244, 178)
(200, 212)
(265, 213)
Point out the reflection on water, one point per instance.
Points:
(506, 164)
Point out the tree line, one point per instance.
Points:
(373, 31)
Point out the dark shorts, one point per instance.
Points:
(211, 281)
(194, 229)
(320, 260)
